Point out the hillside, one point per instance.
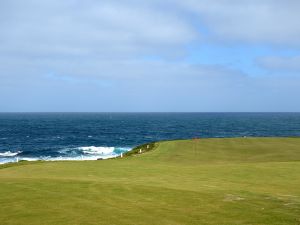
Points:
(201, 181)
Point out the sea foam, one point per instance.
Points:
(92, 150)
(9, 153)
(68, 154)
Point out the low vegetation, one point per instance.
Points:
(141, 149)
(252, 181)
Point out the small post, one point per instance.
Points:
(121, 154)
(140, 151)
(17, 159)
(148, 146)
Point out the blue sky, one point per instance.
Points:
(192, 55)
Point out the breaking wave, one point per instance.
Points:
(67, 154)
(9, 153)
(92, 150)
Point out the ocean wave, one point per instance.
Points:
(9, 153)
(59, 158)
(92, 150)
(69, 154)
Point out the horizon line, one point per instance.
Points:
(149, 112)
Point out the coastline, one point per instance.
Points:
(250, 180)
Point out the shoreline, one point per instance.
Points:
(252, 181)
(140, 149)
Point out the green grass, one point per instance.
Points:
(206, 181)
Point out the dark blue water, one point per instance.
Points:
(56, 136)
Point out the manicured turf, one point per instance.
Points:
(206, 181)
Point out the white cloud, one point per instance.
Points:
(258, 21)
(96, 55)
(281, 64)
(104, 28)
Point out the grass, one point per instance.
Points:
(203, 181)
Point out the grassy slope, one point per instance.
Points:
(207, 181)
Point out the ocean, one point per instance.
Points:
(91, 136)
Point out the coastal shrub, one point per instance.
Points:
(144, 148)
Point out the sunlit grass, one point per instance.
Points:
(203, 181)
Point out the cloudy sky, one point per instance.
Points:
(152, 55)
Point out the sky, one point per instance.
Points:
(149, 56)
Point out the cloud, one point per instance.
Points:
(148, 86)
(281, 64)
(101, 28)
(127, 29)
(134, 55)
(255, 21)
